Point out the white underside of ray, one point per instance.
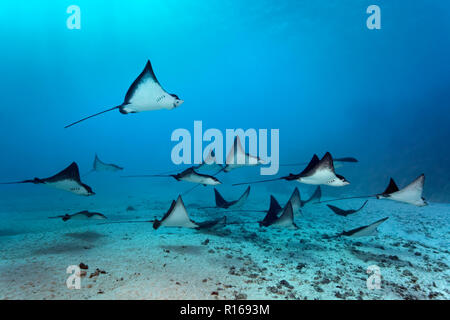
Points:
(149, 95)
(178, 217)
(199, 179)
(68, 185)
(237, 157)
(369, 231)
(326, 177)
(97, 217)
(411, 194)
(79, 216)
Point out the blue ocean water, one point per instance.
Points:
(311, 69)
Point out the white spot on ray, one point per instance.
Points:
(146, 94)
(68, 180)
(68, 185)
(321, 172)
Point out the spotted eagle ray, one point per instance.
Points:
(316, 172)
(272, 213)
(82, 215)
(189, 175)
(411, 194)
(237, 157)
(344, 213)
(272, 218)
(100, 166)
(285, 220)
(295, 200)
(369, 230)
(298, 203)
(144, 94)
(67, 180)
(177, 216)
(224, 204)
(209, 164)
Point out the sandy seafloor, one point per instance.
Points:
(241, 261)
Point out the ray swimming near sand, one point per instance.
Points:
(189, 175)
(410, 194)
(82, 215)
(67, 180)
(224, 204)
(364, 231)
(317, 172)
(344, 213)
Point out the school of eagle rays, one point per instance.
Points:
(147, 94)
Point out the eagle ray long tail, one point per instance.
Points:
(246, 210)
(364, 204)
(17, 182)
(147, 176)
(94, 115)
(126, 221)
(189, 190)
(235, 210)
(347, 198)
(253, 182)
